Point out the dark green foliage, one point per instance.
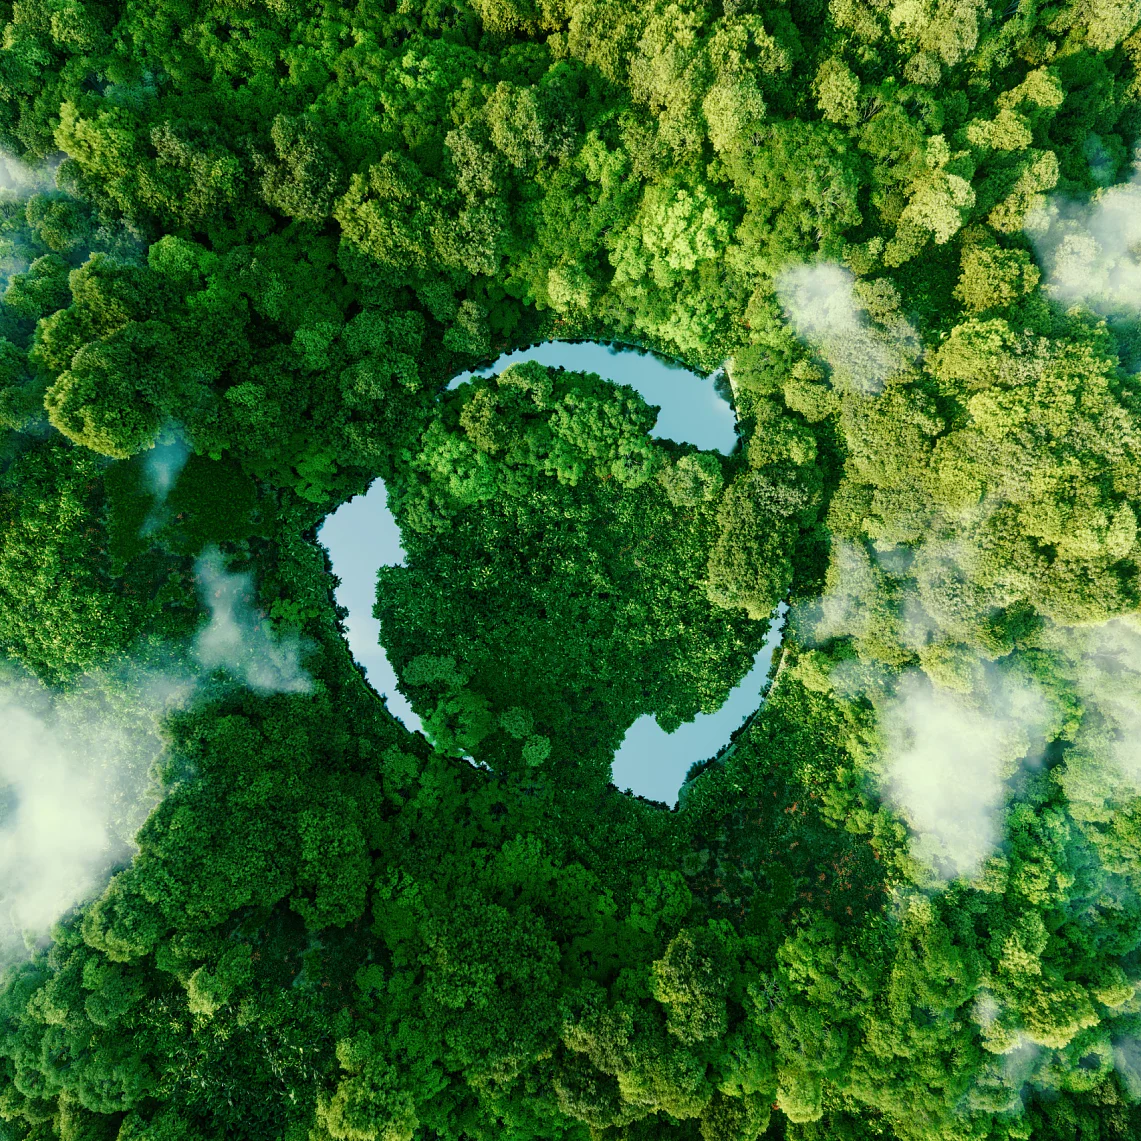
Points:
(211, 501)
(275, 232)
(570, 550)
(65, 606)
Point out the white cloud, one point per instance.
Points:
(1111, 679)
(239, 639)
(822, 306)
(1127, 1062)
(163, 464)
(1103, 764)
(161, 468)
(17, 176)
(75, 786)
(77, 769)
(1091, 252)
(946, 760)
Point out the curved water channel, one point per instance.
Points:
(362, 535)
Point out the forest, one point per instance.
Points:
(245, 245)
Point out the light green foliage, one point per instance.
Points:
(207, 990)
(659, 257)
(994, 278)
(516, 722)
(303, 178)
(536, 749)
(1007, 131)
(691, 981)
(692, 479)
(369, 1106)
(837, 92)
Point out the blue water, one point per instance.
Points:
(692, 410)
(652, 763)
(361, 535)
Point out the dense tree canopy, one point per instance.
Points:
(245, 246)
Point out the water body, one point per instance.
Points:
(362, 535)
(652, 763)
(692, 410)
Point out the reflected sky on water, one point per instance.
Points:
(361, 535)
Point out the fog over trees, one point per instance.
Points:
(245, 247)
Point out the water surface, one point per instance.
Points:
(362, 535)
(692, 410)
(652, 763)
